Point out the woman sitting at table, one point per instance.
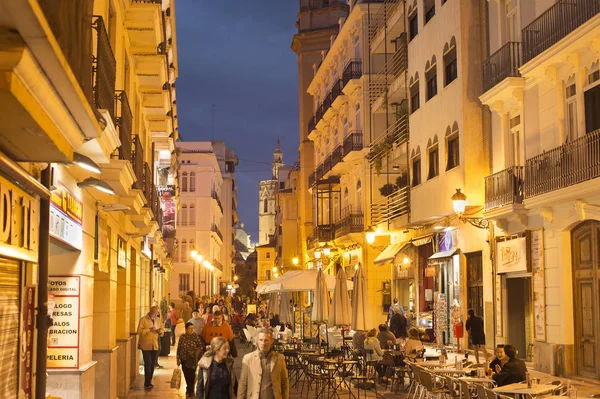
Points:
(513, 371)
(414, 346)
(500, 360)
(373, 349)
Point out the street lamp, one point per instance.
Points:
(318, 253)
(236, 278)
(370, 236)
(326, 250)
(194, 253)
(295, 261)
(459, 202)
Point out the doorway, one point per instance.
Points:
(586, 277)
(518, 309)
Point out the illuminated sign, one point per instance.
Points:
(19, 221)
(66, 216)
(121, 252)
(63, 335)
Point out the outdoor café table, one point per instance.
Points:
(478, 380)
(339, 370)
(433, 364)
(521, 390)
(449, 371)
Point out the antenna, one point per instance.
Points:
(212, 135)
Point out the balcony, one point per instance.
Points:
(378, 21)
(147, 184)
(503, 64)
(215, 229)
(554, 24)
(124, 122)
(394, 135)
(328, 111)
(311, 179)
(319, 172)
(312, 126)
(350, 222)
(354, 142)
(574, 162)
(217, 264)
(353, 70)
(336, 156)
(104, 70)
(215, 196)
(324, 232)
(137, 162)
(327, 164)
(384, 80)
(337, 94)
(391, 207)
(504, 188)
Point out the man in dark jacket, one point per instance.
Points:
(398, 324)
(513, 371)
(475, 327)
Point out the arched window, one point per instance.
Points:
(359, 196)
(192, 182)
(183, 251)
(183, 220)
(192, 215)
(184, 182)
(191, 247)
(265, 206)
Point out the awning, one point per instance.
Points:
(417, 242)
(443, 254)
(390, 252)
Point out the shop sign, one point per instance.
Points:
(27, 342)
(146, 251)
(103, 234)
(539, 286)
(66, 217)
(63, 335)
(19, 221)
(169, 207)
(430, 271)
(511, 255)
(121, 252)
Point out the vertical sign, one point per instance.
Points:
(63, 336)
(498, 287)
(539, 286)
(66, 214)
(27, 341)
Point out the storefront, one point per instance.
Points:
(19, 239)
(514, 293)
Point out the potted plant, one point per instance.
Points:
(402, 180)
(387, 189)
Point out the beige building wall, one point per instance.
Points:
(265, 262)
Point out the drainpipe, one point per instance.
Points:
(43, 321)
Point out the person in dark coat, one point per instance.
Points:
(513, 371)
(474, 327)
(398, 324)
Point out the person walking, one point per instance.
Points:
(399, 324)
(189, 350)
(219, 328)
(474, 327)
(264, 373)
(197, 321)
(149, 330)
(186, 312)
(173, 317)
(393, 308)
(216, 377)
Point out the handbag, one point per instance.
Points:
(176, 378)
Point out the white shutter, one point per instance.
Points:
(10, 283)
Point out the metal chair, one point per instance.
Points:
(365, 375)
(433, 389)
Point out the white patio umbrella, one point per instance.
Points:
(342, 313)
(285, 309)
(297, 281)
(320, 310)
(359, 300)
(273, 306)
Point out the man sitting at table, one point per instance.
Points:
(500, 360)
(513, 371)
(385, 337)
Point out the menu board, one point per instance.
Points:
(539, 286)
(63, 335)
(441, 317)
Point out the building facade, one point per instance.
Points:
(205, 220)
(94, 102)
(267, 197)
(541, 86)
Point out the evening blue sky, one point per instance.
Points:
(236, 54)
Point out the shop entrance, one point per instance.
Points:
(519, 321)
(586, 281)
(10, 281)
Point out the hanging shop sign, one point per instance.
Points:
(19, 221)
(146, 250)
(103, 234)
(63, 335)
(511, 255)
(168, 205)
(539, 286)
(66, 217)
(26, 353)
(121, 252)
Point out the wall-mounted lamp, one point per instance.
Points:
(193, 253)
(318, 253)
(459, 202)
(326, 250)
(370, 236)
(97, 184)
(396, 167)
(295, 261)
(86, 163)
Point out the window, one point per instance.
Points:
(281, 185)
(359, 196)
(184, 182)
(515, 140)
(429, 6)
(452, 149)
(192, 182)
(192, 215)
(512, 25)
(571, 111)
(357, 119)
(592, 105)
(434, 166)
(267, 274)
(265, 206)
(184, 251)
(268, 254)
(416, 171)
(184, 283)
(183, 220)
(431, 78)
(413, 25)
(415, 102)
(450, 66)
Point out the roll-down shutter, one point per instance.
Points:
(10, 283)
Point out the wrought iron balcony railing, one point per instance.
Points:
(336, 156)
(504, 187)
(502, 64)
(391, 207)
(311, 179)
(350, 222)
(124, 122)
(319, 172)
(353, 70)
(147, 181)
(554, 24)
(574, 162)
(215, 196)
(137, 161)
(336, 90)
(215, 229)
(354, 142)
(104, 72)
(396, 134)
(324, 232)
(312, 124)
(327, 164)
(379, 21)
(393, 68)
